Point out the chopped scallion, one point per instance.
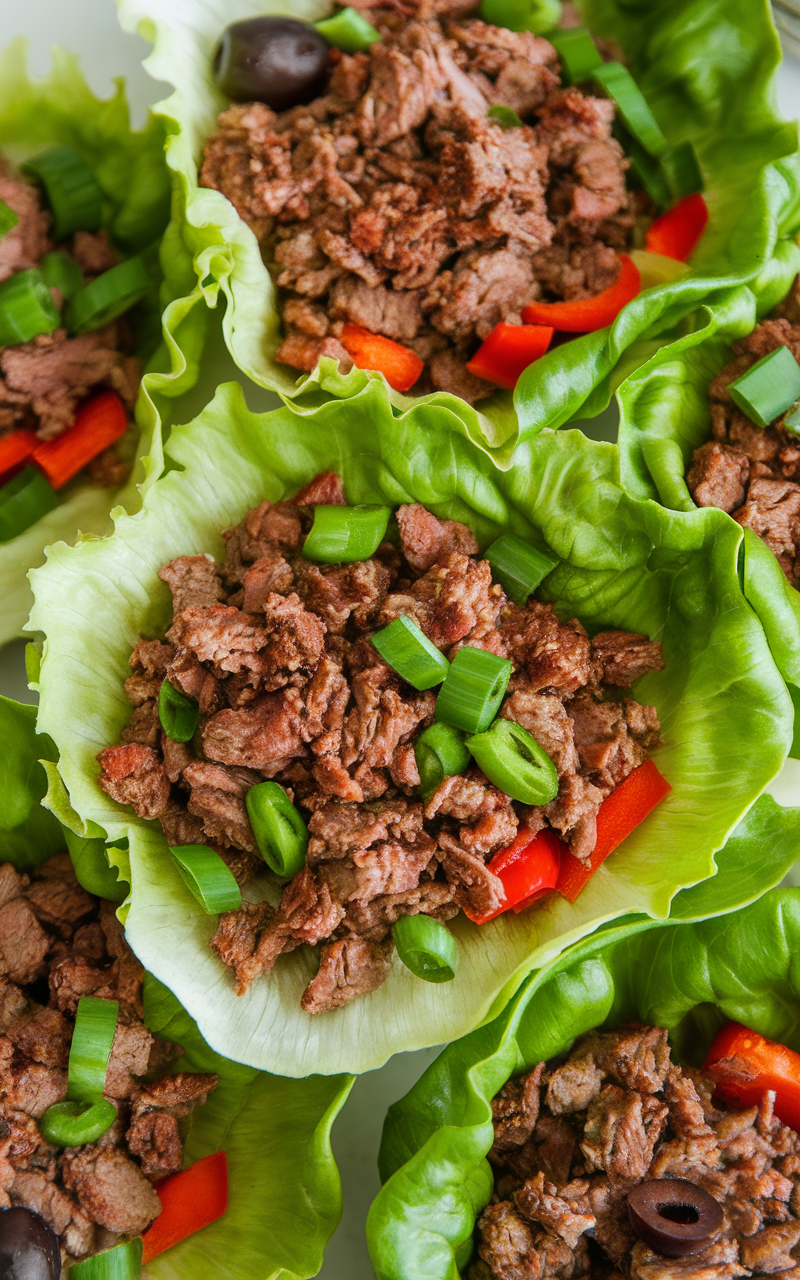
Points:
(632, 105)
(177, 713)
(72, 191)
(71, 1124)
(206, 876)
(682, 170)
(280, 832)
(578, 53)
(26, 308)
(411, 654)
(522, 15)
(518, 567)
(92, 1038)
(341, 535)
(792, 421)
(23, 501)
(513, 760)
(769, 388)
(123, 1262)
(475, 686)
(440, 753)
(426, 947)
(107, 296)
(505, 116)
(348, 30)
(8, 219)
(60, 271)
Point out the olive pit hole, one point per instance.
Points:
(685, 1213)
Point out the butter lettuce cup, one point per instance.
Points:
(84, 202)
(559, 1133)
(205, 1163)
(413, 732)
(435, 191)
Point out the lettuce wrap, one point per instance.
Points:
(707, 68)
(688, 977)
(285, 1194)
(129, 166)
(724, 710)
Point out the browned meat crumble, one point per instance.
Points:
(751, 472)
(43, 382)
(57, 944)
(397, 204)
(276, 651)
(571, 1140)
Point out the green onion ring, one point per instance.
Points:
(177, 713)
(60, 271)
(92, 1038)
(205, 874)
(341, 535)
(426, 948)
(440, 753)
(769, 388)
(515, 763)
(27, 308)
(475, 686)
(280, 832)
(518, 567)
(71, 1124)
(72, 191)
(348, 30)
(124, 1262)
(107, 296)
(23, 501)
(411, 654)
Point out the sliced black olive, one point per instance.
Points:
(673, 1216)
(279, 61)
(29, 1249)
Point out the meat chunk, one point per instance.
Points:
(624, 656)
(194, 582)
(263, 736)
(449, 601)
(348, 968)
(621, 1131)
(515, 1111)
(772, 510)
(425, 540)
(75, 1227)
(718, 476)
(23, 942)
(111, 1190)
(154, 1135)
(555, 657)
(134, 775)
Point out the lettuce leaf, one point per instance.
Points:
(689, 977)
(28, 833)
(707, 68)
(60, 108)
(625, 563)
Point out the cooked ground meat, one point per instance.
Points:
(43, 382)
(572, 1139)
(277, 653)
(752, 472)
(58, 943)
(396, 203)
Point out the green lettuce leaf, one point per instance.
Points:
(28, 833)
(131, 171)
(625, 563)
(707, 68)
(687, 977)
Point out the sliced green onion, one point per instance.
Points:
(124, 1262)
(92, 1038)
(280, 832)
(108, 296)
(92, 869)
(71, 1124)
(475, 686)
(513, 760)
(23, 501)
(769, 388)
(72, 190)
(426, 948)
(340, 535)
(26, 308)
(682, 170)
(632, 105)
(8, 219)
(348, 30)
(411, 654)
(578, 53)
(177, 713)
(205, 874)
(792, 421)
(60, 271)
(440, 753)
(505, 116)
(518, 567)
(522, 15)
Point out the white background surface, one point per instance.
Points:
(90, 28)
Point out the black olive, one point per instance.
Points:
(673, 1216)
(29, 1249)
(279, 61)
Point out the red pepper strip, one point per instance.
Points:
(619, 814)
(98, 423)
(15, 448)
(589, 314)
(745, 1065)
(400, 367)
(677, 232)
(190, 1201)
(528, 869)
(508, 351)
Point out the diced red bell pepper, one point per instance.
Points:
(745, 1065)
(400, 367)
(190, 1200)
(15, 449)
(528, 869)
(619, 814)
(676, 233)
(588, 314)
(98, 423)
(508, 351)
